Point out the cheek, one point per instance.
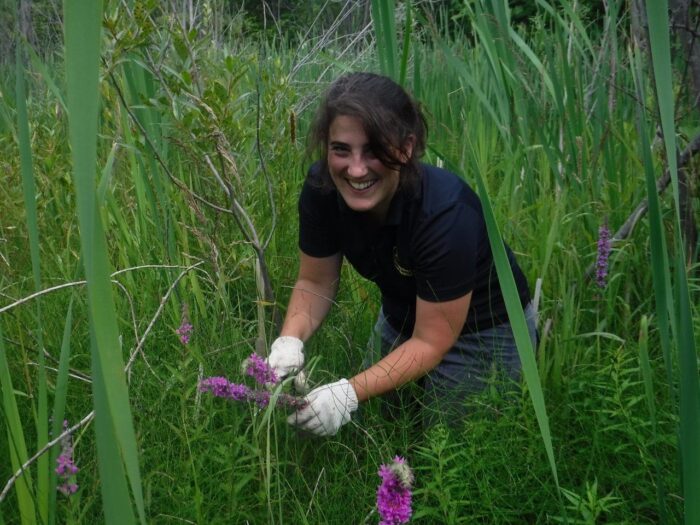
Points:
(376, 166)
(335, 165)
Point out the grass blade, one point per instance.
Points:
(660, 42)
(645, 368)
(516, 317)
(383, 12)
(46, 75)
(116, 440)
(659, 253)
(15, 438)
(406, 44)
(29, 191)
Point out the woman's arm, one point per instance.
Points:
(437, 327)
(314, 291)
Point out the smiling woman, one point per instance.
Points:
(418, 232)
(364, 182)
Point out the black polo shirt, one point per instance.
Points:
(433, 245)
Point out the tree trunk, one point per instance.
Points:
(689, 229)
(638, 19)
(684, 27)
(25, 21)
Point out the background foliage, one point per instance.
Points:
(200, 156)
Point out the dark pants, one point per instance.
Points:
(477, 360)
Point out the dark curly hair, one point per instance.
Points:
(389, 116)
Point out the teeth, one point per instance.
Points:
(361, 185)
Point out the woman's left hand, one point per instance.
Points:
(328, 408)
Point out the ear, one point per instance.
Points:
(407, 149)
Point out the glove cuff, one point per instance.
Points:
(287, 343)
(352, 403)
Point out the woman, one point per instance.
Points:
(415, 230)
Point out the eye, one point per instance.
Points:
(338, 149)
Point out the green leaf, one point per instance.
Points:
(682, 322)
(518, 323)
(116, 440)
(29, 192)
(15, 439)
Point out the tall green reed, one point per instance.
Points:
(29, 192)
(526, 349)
(683, 329)
(384, 21)
(16, 443)
(116, 440)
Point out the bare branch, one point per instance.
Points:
(80, 283)
(155, 317)
(181, 185)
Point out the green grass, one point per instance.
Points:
(522, 113)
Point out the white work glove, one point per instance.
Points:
(328, 408)
(286, 355)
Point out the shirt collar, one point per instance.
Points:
(393, 215)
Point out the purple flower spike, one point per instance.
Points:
(604, 246)
(256, 367)
(221, 387)
(260, 397)
(65, 467)
(394, 493)
(184, 331)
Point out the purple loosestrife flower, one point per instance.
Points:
(256, 367)
(221, 387)
(65, 467)
(394, 493)
(260, 397)
(604, 246)
(184, 331)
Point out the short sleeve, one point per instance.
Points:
(318, 222)
(445, 250)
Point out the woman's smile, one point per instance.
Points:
(361, 186)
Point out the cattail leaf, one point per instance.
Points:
(516, 316)
(29, 192)
(24, 487)
(116, 440)
(682, 322)
(383, 13)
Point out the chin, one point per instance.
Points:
(359, 207)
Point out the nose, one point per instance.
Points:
(357, 167)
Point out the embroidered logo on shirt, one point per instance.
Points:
(403, 271)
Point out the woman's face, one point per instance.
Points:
(365, 184)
